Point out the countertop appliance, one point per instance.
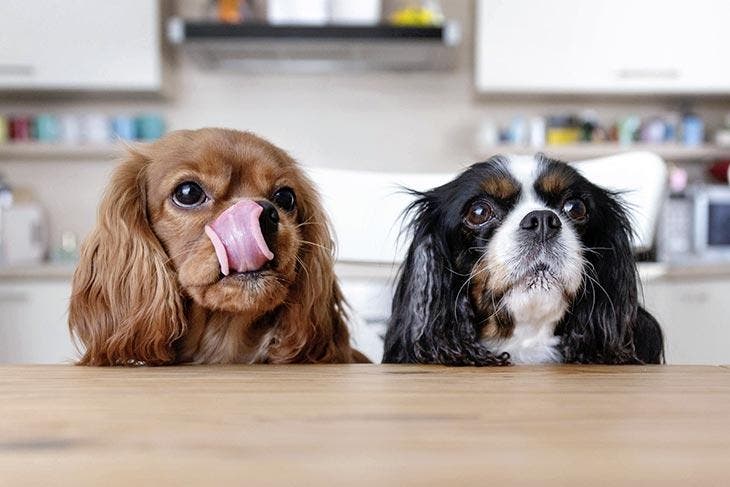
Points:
(695, 226)
(23, 234)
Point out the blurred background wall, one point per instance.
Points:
(392, 121)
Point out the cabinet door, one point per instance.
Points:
(695, 318)
(33, 321)
(602, 46)
(79, 45)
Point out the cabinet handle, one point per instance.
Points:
(648, 73)
(17, 70)
(13, 297)
(695, 298)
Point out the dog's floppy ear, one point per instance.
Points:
(125, 307)
(312, 326)
(432, 320)
(605, 323)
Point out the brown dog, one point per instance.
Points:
(211, 246)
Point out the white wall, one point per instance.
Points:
(381, 121)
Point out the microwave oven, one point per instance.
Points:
(696, 225)
(712, 221)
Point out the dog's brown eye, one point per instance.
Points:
(575, 209)
(480, 212)
(285, 199)
(188, 195)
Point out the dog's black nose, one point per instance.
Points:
(545, 224)
(269, 222)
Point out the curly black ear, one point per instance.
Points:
(432, 320)
(606, 324)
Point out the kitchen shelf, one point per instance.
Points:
(575, 152)
(259, 46)
(192, 31)
(41, 151)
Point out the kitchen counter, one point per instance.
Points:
(38, 271)
(378, 270)
(364, 425)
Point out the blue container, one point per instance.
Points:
(124, 127)
(46, 128)
(693, 130)
(150, 127)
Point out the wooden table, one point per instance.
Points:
(364, 425)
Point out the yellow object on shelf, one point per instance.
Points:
(562, 135)
(415, 17)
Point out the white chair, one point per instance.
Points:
(366, 207)
(642, 179)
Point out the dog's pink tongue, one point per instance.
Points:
(237, 238)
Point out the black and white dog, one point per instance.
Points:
(521, 260)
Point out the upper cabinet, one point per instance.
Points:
(80, 45)
(602, 47)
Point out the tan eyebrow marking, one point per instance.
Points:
(554, 182)
(177, 177)
(500, 187)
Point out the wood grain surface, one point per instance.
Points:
(365, 425)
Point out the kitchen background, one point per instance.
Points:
(409, 91)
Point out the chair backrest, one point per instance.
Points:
(641, 177)
(366, 208)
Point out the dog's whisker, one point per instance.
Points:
(314, 244)
(303, 266)
(594, 282)
(471, 275)
(309, 222)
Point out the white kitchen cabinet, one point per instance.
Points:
(33, 321)
(602, 46)
(695, 317)
(80, 45)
